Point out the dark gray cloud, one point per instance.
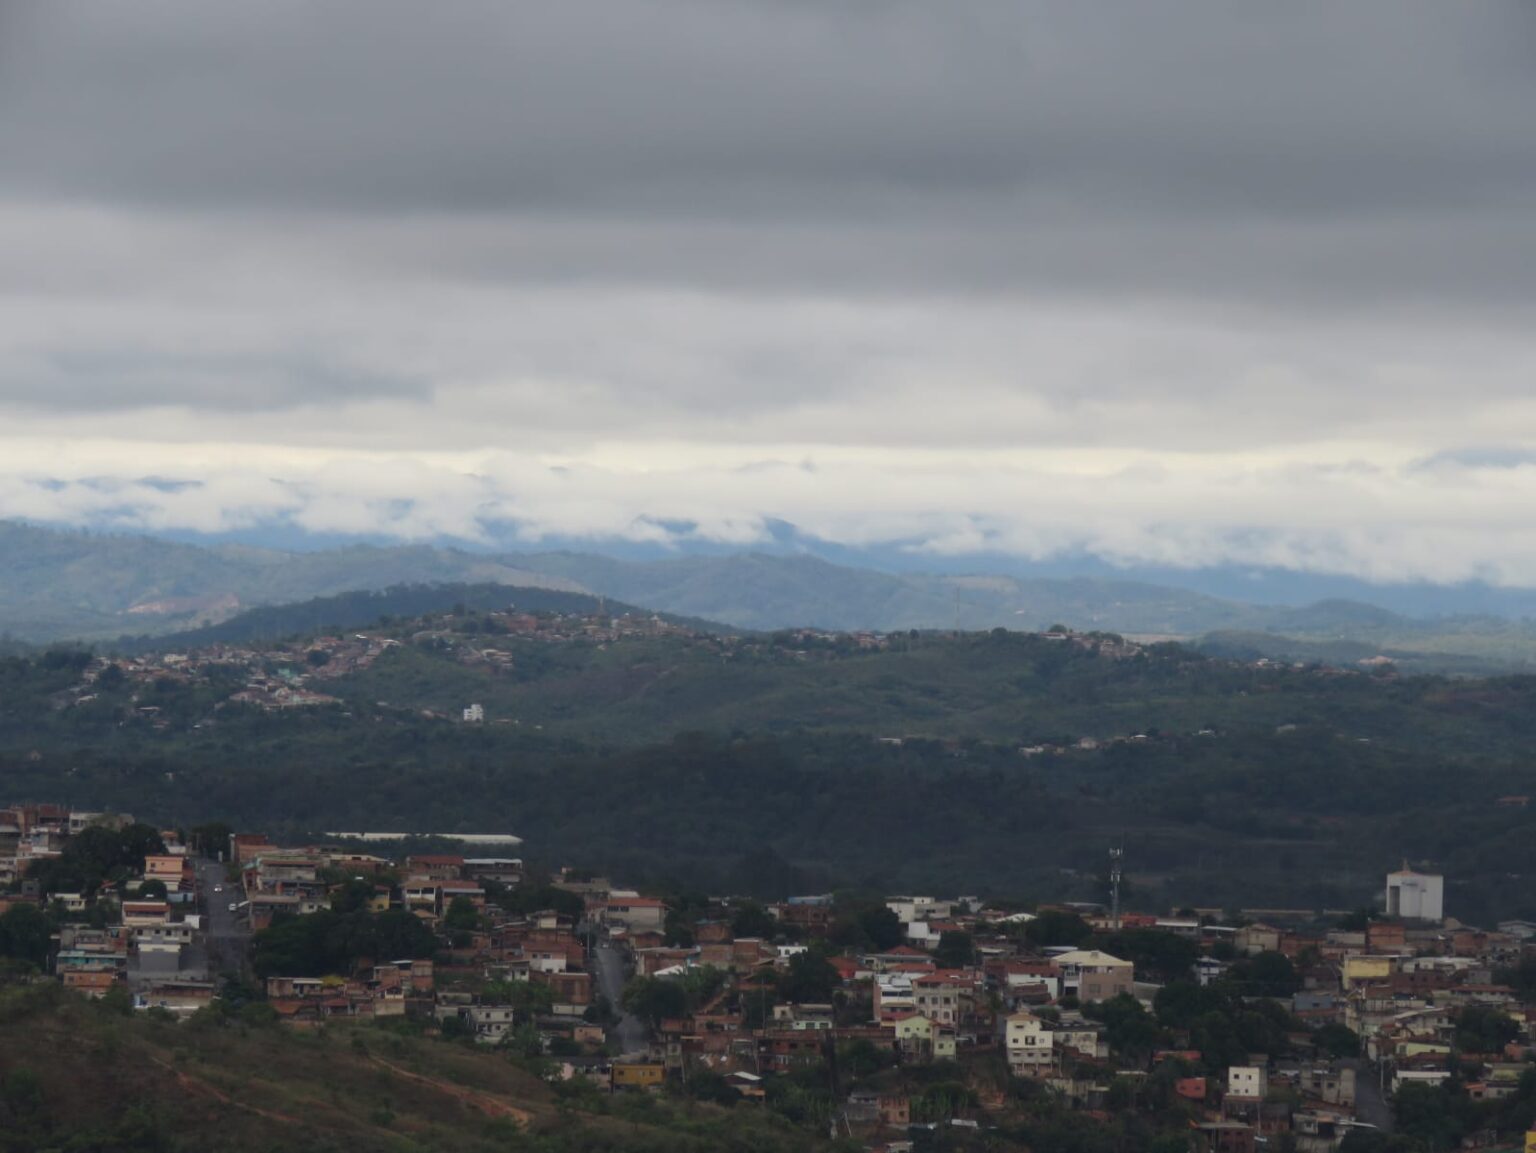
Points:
(1305, 153)
(984, 113)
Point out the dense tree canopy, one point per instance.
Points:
(24, 935)
(96, 855)
(328, 942)
(808, 979)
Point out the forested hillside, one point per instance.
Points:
(998, 762)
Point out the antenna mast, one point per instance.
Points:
(1116, 862)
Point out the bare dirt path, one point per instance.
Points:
(488, 1104)
(194, 1084)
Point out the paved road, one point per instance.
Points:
(1370, 1106)
(630, 1031)
(226, 934)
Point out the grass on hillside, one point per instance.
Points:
(77, 1076)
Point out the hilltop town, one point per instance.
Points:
(889, 1022)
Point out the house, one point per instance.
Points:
(490, 1022)
(1191, 1088)
(1249, 1082)
(144, 913)
(92, 982)
(176, 995)
(1208, 969)
(921, 1039)
(895, 1109)
(158, 954)
(436, 867)
(415, 977)
(1081, 1038)
(568, 988)
(638, 1075)
(1362, 969)
(421, 895)
(1386, 937)
(909, 909)
(912, 1027)
(1093, 975)
(1257, 938)
(1030, 1045)
(802, 1016)
(811, 915)
(1225, 1137)
(940, 996)
(246, 847)
(175, 873)
(636, 914)
(502, 870)
(450, 891)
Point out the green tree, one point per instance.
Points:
(525, 997)
(955, 949)
(1435, 1116)
(117, 1001)
(329, 942)
(351, 896)
(1483, 1029)
(861, 1057)
(808, 979)
(211, 839)
(22, 1092)
(1337, 1040)
(1131, 1031)
(1056, 927)
(1163, 956)
(462, 916)
(1266, 974)
(701, 984)
(654, 999)
(677, 932)
(25, 935)
(882, 927)
(750, 919)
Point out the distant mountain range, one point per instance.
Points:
(57, 584)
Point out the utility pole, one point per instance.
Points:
(1116, 862)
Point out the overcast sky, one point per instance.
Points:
(1178, 282)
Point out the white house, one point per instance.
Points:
(1250, 1082)
(909, 909)
(1030, 1044)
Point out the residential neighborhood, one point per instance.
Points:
(879, 1019)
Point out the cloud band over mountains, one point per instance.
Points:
(1185, 284)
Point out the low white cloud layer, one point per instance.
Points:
(1441, 522)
